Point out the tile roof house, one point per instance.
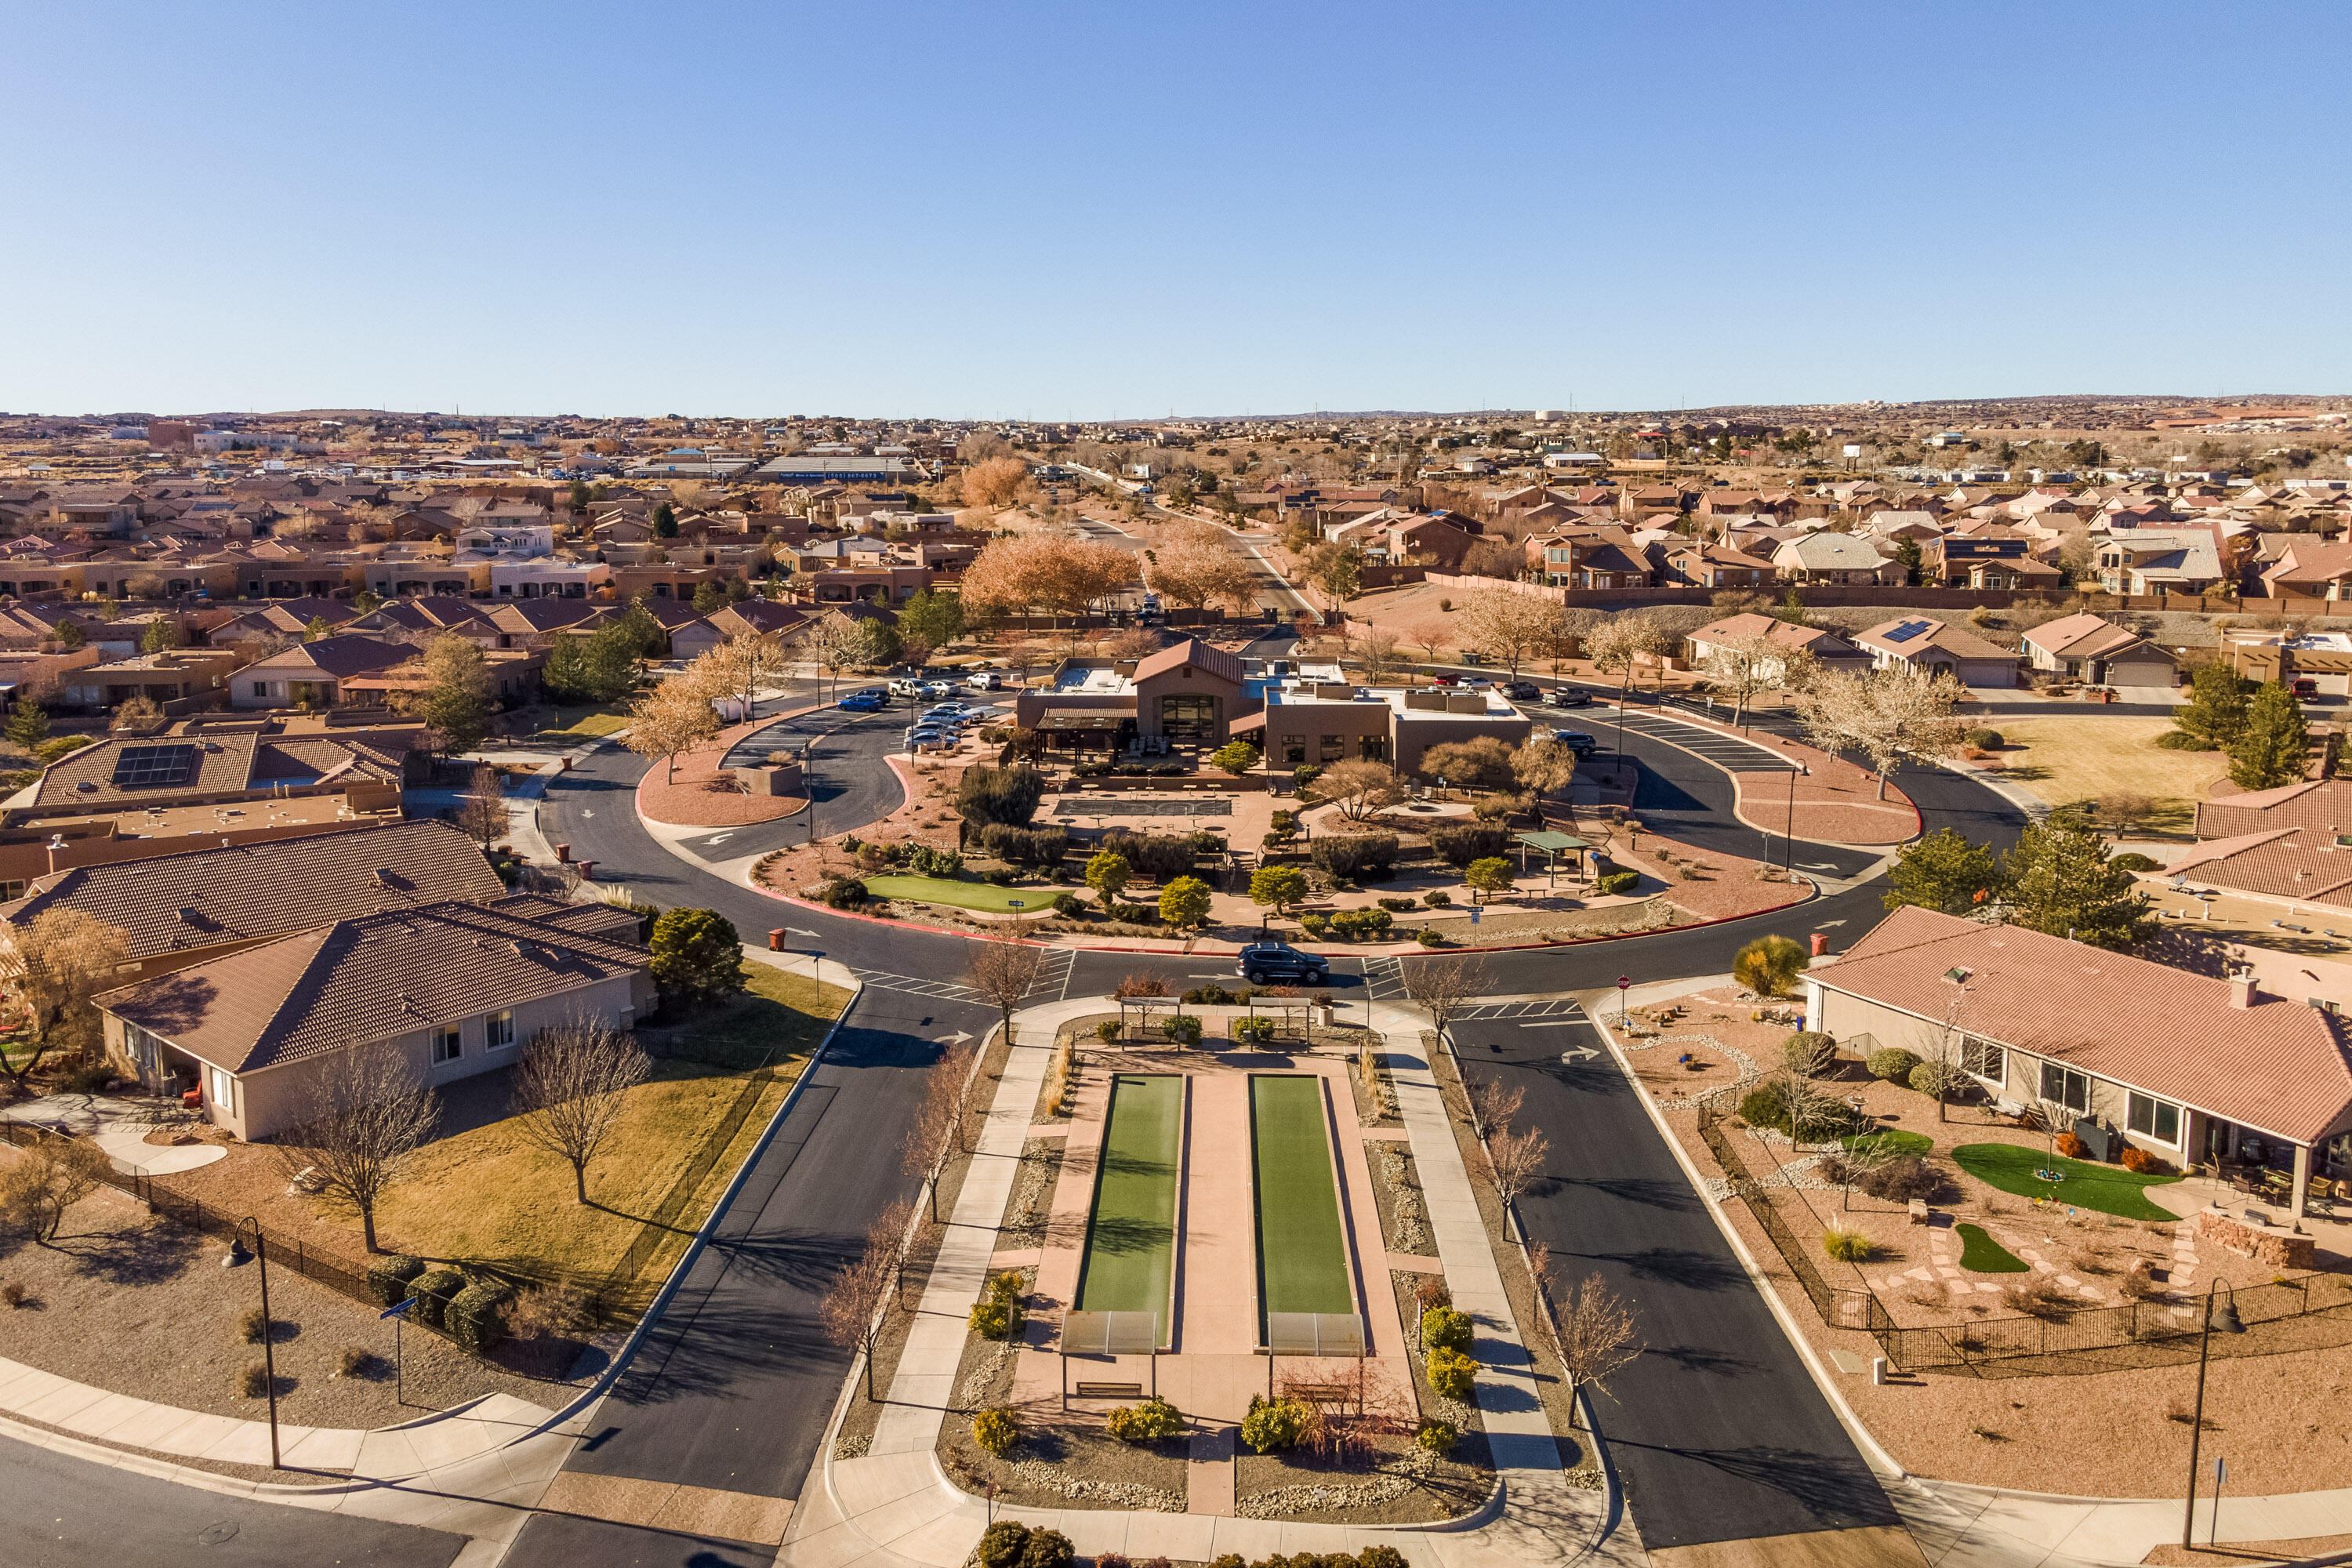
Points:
(2090, 647)
(457, 987)
(1825, 646)
(2161, 561)
(315, 671)
(2195, 1069)
(1937, 648)
(2325, 805)
(218, 764)
(1836, 558)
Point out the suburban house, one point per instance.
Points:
(313, 673)
(2314, 573)
(205, 903)
(1836, 558)
(1188, 695)
(2090, 648)
(457, 987)
(221, 763)
(2159, 561)
(1711, 567)
(1976, 562)
(2194, 1069)
(1936, 647)
(2323, 805)
(2302, 867)
(1826, 647)
(2311, 663)
(1590, 558)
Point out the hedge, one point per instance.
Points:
(1025, 846)
(1618, 882)
(1459, 844)
(472, 1318)
(388, 1279)
(435, 1289)
(1353, 857)
(1156, 857)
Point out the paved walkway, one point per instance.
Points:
(120, 1128)
(893, 1508)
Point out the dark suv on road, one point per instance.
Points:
(1576, 741)
(1521, 690)
(1263, 962)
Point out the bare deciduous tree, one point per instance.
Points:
(1519, 1157)
(1505, 624)
(1002, 970)
(1596, 1332)
(1443, 986)
(937, 1136)
(675, 717)
(1359, 788)
(1493, 1105)
(1621, 645)
(1887, 715)
(49, 1177)
(1543, 766)
(482, 815)
(369, 1113)
(851, 1310)
(572, 1086)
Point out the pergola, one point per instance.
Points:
(1076, 728)
(1314, 1334)
(1108, 1335)
(1551, 847)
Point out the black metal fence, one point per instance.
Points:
(2069, 1339)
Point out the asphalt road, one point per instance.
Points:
(58, 1511)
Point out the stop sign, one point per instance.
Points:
(1625, 982)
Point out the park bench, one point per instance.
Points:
(1109, 1390)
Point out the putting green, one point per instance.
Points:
(1890, 1141)
(2110, 1189)
(1980, 1254)
(1132, 1234)
(1302, 1253)
(962, 895)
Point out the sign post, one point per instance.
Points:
(399, 1315)
(1624, 984)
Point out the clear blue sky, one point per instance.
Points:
(1120, 210)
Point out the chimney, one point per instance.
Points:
(2241, 990)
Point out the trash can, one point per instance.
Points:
(564, 853)
(776, 939)
(1820, 943)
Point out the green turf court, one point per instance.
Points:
(972, 895)
(1980, 1254)
(2109, 1189)
(1302, 1251)
(1132, 1233)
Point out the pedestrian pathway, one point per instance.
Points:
(120, 1129)
(893, 1508)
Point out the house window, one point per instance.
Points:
(1294, 748)
(1334, 748)
(1372, 748)
(220, 1088)
(2156, 1119)
(2062, 1086)
(448, 1045)
(500, 1030)
(1981, 1057)
(261, 689)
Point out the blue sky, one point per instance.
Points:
(1119, 211)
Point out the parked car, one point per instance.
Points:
(1571, 697)
(1522, 690)
(861, 702)
(1262, 963)
(1440, 678)
(985, 680)
(934, 690)
(947, 710)
(1576, 741)
(929, 740)
(908, 688)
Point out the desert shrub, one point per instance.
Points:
(1356, 857)
(1047, 1549)
(1136, 914)
(352, 1361)
(1356, 925)
(1809, 1053)
(1443, 1328)
(1611, 883)
(1155, 856)
(1893, 1064)
(13, 1294)
(931, 862)
(388, 1279)
(1458, 844)
(2132, 861)
(435, 1289)
(1273, 1424)
(2182, 740)
(1304, 774)
(1451, 1374)
(473, 1317)
(1398, 906)
(1314, 925)
(1437, 1437)
(1146, 1423)
(2039, 1296)
(251, 1326)
(1183, 1029)
(253, 1380)
(1927, 1075)
(1381, 1557)
(840, 893)
(1428, 937)
(1000, 876)
(2136, 1158)
(1903, 1178)
(1067, 906)
(86, 1078)
(1767, 1105)
(1107, 1031)
(1984, 739)
(2072, 1147)
(1441, 900)
(1008, 795)
(1025, 846)
(2137, 1284)
(995, 1431)
(1845, 1246)
(1002, 1544)
(1255, 1033)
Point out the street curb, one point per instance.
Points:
(637, 794)
(1918, 822)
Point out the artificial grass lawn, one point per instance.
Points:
(1302, 1256)
(583, 721)
(2109, 1189)
(487, 1195)
(962, 895)
(1132, 1233)
(2087, 758)
(1892, 1141)
(1980, 1254)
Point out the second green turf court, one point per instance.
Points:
(1302, 1261)
(1131, 1257)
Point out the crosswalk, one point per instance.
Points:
(944, 991)
(1383, 978)
(1053, 974)
(1734, 753)
(1558, 1007)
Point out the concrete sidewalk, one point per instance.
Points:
(894, 1507)
(1955, 1524)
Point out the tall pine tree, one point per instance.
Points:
(2215, 708)
(2272, 748)
(2062, 882)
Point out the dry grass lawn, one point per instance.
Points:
(485, 1194)
(2083, 758)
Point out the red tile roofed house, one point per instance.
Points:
(314, 672)
(2324, 805)
(458, 988)
(2189, 1068)
(2093, 648)
(1935, 648)
(1825, 646)
(1590, 557)
(1712, 566)
(2312, 573)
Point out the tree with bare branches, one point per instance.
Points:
(1519, 1157)
(482, 814)
(1621, 645)
(1596, 1332)
(1193, 563)
(1885, 714)
(1443, 986)
(937, 1137)
(1505, 624)
(50, 1177)
(572, 1086)
(68, 957)
(1493, 1106)
(369, 1111)
(675, 717)
(851, 1309)
(1543, 766)
(1002, 969)
(1361, 789)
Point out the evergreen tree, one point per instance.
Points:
(457, 698)
(316, 628)
(161, 636)
(2060, 881)
(1792, 608)
(28, 726)
(2215, 708)
(664, 521)
(1942, 871)
(2274, 746)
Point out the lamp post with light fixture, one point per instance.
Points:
(2226, 1320)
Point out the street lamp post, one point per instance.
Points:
(2226, 1320)
(269, 1357)
(1789, 838)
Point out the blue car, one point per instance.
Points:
(862, 702)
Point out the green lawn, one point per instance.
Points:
(963, 895)
(1890, 1141)
(1980, 1254)
(1302, 1255)
(2109, 1189)
(1132, 1234)
(568, 725)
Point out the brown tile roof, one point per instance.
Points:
(335, 657)
(1215, 661)
(2082, 637)
(369, 977)
(204, 898)
(2325, 804)
(2292, 863)
(1934, 634)
(2278, 1066)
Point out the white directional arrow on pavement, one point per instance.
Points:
(957, 1038)
(1581, 1054)
(1826, 924)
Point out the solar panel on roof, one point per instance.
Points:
(136, 766)
(1907, 631)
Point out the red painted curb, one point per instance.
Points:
(637, 795)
